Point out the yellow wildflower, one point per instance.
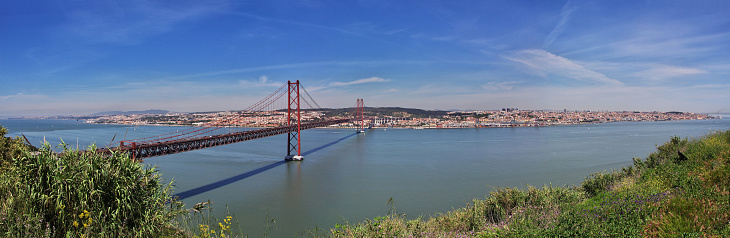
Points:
(76, 224)
(60, 208)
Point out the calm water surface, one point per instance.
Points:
(425, 171)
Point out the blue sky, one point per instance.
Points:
(84, 56)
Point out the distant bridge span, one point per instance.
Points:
(196, 139)
(140, 151)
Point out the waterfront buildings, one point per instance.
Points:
(456, 119)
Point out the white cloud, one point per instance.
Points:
(499, 86)
(549, 63)
(20, 97)
(360, 81)
(666, 72)
(261, 82)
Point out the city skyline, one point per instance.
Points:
(83, 57)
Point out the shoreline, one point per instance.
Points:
(409, 127)
(433, 125)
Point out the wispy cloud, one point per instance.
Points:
(329, 63)
(549, 63)
(396, 31)
(676, 39)
(312, 25)
(444, 38)
(664, 72)
(132, 22)
(263, 81)
(20, 97)
(560, 27)
(499, 86)
(360, 81)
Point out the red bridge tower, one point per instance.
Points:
(360, 110)
(294, 142)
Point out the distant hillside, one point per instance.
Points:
(130, 112)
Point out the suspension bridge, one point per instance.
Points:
(220, 132)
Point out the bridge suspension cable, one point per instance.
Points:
(310, 98)
(267, 101)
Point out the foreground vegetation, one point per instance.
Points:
(681, 190)
(80, 194)
(87, 194)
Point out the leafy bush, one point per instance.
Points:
(11, 148)
(601, 181)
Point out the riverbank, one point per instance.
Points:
(418, 127)
(399, 118)
(681, 190)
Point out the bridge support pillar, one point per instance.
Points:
(360, 111)
(294, 145)
(133, 149)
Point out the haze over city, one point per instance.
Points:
(82, 57)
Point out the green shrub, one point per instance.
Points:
(11, 148)
(601, 181)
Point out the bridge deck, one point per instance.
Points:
(142, 151)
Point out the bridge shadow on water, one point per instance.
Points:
(224, 182)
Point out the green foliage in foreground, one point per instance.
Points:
(88, 194)
(681, 190)
(81, 194)
(76, 194)
(11, 148)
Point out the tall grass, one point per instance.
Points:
(87, 194)
(82, 194)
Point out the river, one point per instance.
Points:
(350, 177)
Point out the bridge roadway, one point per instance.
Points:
(142, 151)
